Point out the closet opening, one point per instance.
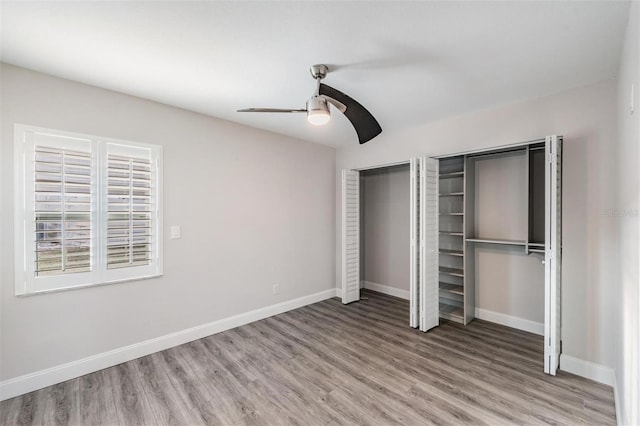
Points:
(499, 239)
(508, 282)
(380, 230)
(385, 233)
(462, 236)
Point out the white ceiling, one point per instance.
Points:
(407, 62)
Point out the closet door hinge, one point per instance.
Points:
(553, 158)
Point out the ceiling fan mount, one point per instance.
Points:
(318, 111)
(319, 71)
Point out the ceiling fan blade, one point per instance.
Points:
(365, 124)
(271, 110)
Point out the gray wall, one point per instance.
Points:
(625, 214)
(385, 226)
(255, 208)
(587, 119)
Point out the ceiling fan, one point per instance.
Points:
(317, 108)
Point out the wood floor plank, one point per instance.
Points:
(163, 399)
(20, 410)
(96, 400)
(329, 364)
(61, 404)
(296, 394)
(232, 400)
(188, 385)
(131, 404)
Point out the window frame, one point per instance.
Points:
(26, 283)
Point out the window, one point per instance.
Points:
(87, 210)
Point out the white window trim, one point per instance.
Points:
(100, 275)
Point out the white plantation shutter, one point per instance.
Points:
(429, 240)
(87, 210)
(350, 236)
(62, 211)
(129, 218)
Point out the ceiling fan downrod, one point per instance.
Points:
(318, 72)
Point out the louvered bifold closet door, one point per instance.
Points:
(553, 254)
(129, 210)
(63, 206)
(414, 215)
(350, 236)
(429, 310)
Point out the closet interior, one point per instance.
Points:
(492, 199)
(456, 299)
(384, 225)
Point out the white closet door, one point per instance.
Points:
(350, 236)
(428, 253)
(553, 254)
(414, 214)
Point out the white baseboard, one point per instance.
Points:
(588, 370)
(50, 376)
(510, 321)
(385, 289)
(616, 399)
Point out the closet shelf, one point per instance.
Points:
(455, 313)
(451, 214)
(537, 251)
(451, 271)
(451, 175)
(459, 234)
(452, 194)
(536, 244)
(451, 288)
(497, 241)
(452, 252)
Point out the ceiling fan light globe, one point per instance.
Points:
(318, 111)
(318, 118)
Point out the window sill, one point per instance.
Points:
(84, 286)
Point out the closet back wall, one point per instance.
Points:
(249, 203)
(385, 227)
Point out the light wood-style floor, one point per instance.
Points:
(329, 364)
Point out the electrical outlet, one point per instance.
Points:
(175, 232)
(276, 289)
